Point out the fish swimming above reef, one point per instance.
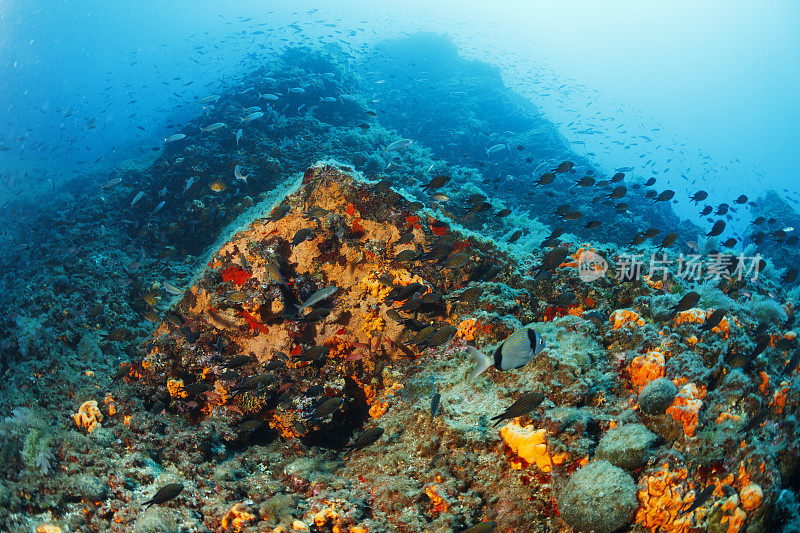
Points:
(688, 301)
(435, 400)
(482, 527)
(516, 351)
(526, 403)
(173, 138)
(700, 499)
(318, 296)
(165, 494)
(369, 436)
(399, 145)
(213, 127)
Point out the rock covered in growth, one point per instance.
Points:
(599, 497)
(627, 447)
(657, 396)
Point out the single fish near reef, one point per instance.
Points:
(700, 499)
(138, 197)
(237, 172)
(173, 138)
(318, 296)
(238, 136)
(435, 400)
(516, 351)
(369, 436)
(526, 403)
(164, 494)
(213, 127)
(481, 527)
(252, 116)
(172, 289)
(399, 145)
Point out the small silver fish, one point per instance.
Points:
(496, 148)
(111, 183)
(138, 197)
(327, 99)
(268, 96)
(399, 145)
(189, 183)
(173, 138)
(318, 296)
(237, 171)
(214, 126)
(296, 90)
(172, 289)
(252, 116)
(158, 207)
(238, 136)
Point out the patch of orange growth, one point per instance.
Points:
(357, 529)
(237, 517)
(356, 226)
(751, 496)
(322, 517)
(236, 274)
(624, 317)
(47, 528)
(689, 316)
(372, 323)
(530, 444)
(645, 368)
(439, 504)
(379, 408)
(657, 285)
(350, 209)
(88, 416)
(692, 340)
(735, 521)
(109, 401)
(723, 327)
(686, 407)
(176, 388)
(764, 387)
(284, 427)
(726, 416)
(662, 495)
(779, 398)
(467, 329)
(575, 311)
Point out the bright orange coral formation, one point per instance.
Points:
(689, 316)
(686, 408)
(624, 317)
(645, 368)
(662, 495)
(176, 388)
(372, 323)
(438, 503)
(529, 443)
(88, 416)
(237, 517)
(751, 496)
(467, 329)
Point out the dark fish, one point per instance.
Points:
(503, 213)
(515, 236)
(526, 403)
(116, 335)
(789, 276)
(652, 232)
(713, 320)
(592, 224)
(314, 354)
(435, 404)
(616, 178)
(742, 199)
(302, 235)
(565, 166)
(405, 256)
(369, 436)
(252, 383)
(403, 292)
(315, 390)
(722, 209)
(229, 375)
(164, 494)
(482, 527)
(586, 181)
(761, 345)
(405, 238)
(699, 196)
(470, 294)
(437, 182)
(665, 196)
(328, 407)
(316, 213)
(688, 301)
(669, 240)
(315, 316)
(717, 229)
(700, 499)
(706, 211)
(649, 182)
(729, 243)
(238, 361)
(545, 179)
(517, 350)
(792, 364)
(755, 421)
(441, 336)
(565, 300)
(553, 259)
(618, 192)
(422, 336)
(572, 215)
(279, 212)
